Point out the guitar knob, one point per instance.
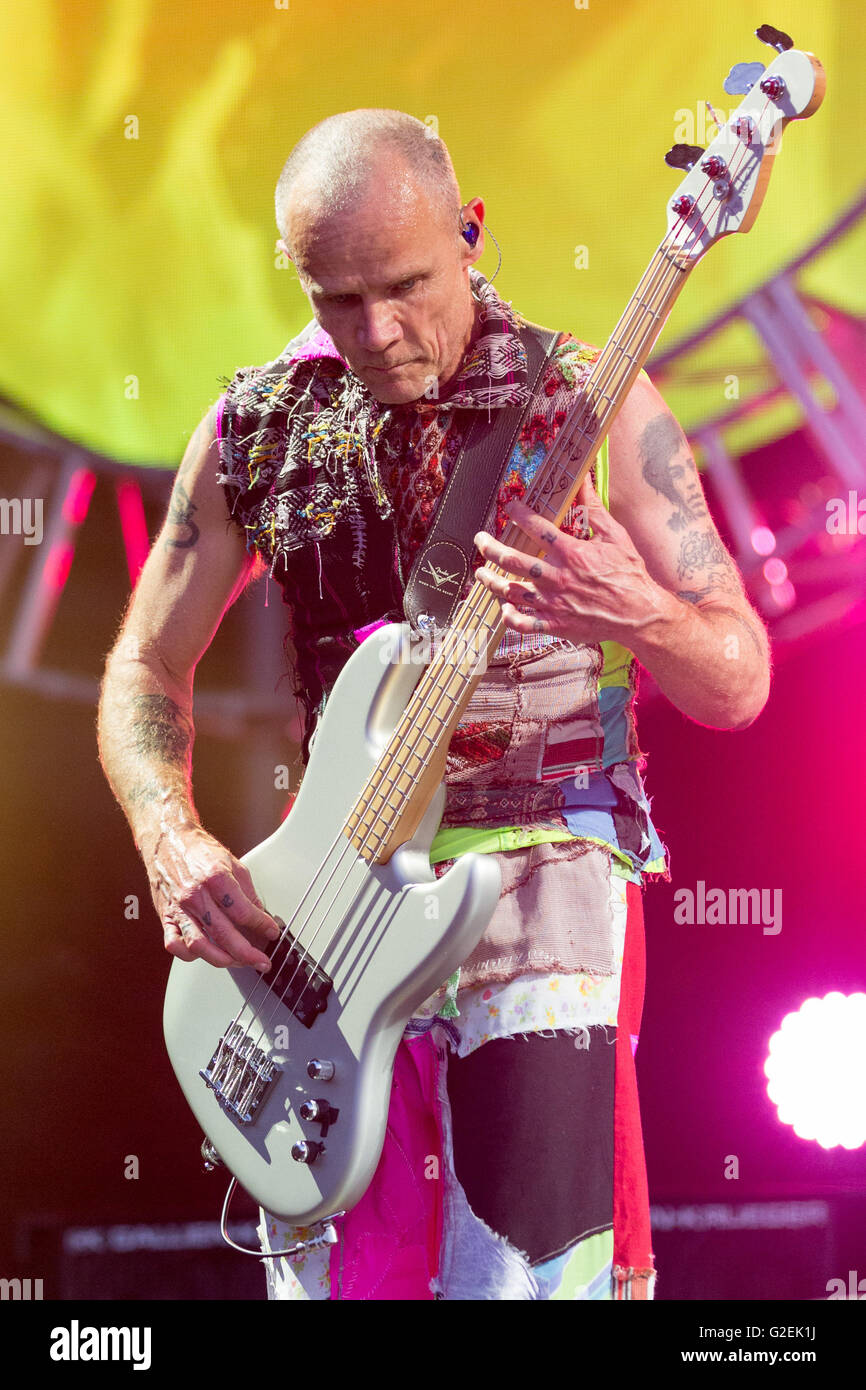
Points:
(318, 1070)
(318, 1110)
(307, 1150)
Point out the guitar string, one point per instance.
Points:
(630, 322)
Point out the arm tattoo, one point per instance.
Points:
(180, 510)
(162, 730)
(660, 442)
(743, 621)
(702, 553)
(144, 794)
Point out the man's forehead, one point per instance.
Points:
(378, 250)
(389, 199)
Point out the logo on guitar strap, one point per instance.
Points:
(441, 580)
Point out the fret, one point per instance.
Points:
(654, 313)
(622, 352)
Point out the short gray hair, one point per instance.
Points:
(341, 152)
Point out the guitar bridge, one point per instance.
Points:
(239, 1074)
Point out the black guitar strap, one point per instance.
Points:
(442, 564)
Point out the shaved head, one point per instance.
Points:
(335, 163)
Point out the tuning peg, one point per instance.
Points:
(742, 78)
(683, 156)
(776, 38)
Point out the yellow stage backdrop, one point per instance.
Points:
(142, 142)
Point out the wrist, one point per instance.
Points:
(661, 628)
(169, 820)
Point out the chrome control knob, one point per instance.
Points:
(307, 1150)
(318, 1070)
(317, 1109)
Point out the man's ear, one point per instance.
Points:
(281, 246)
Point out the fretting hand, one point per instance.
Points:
(584, 590)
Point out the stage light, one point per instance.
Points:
(784, 595)
(815, 1070)
(775, 571)
(763, 540)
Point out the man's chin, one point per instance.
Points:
(396, 388)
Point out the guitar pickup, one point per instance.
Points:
(295, 979)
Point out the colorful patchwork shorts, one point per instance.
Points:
(513, 1163)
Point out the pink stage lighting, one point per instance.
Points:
(815, 1070)
(763, 540)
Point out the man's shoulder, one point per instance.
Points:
(253, 390)
(569, 364)
(571, 353)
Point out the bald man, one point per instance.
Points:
(517, 1076)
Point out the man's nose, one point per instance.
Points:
(378, 328)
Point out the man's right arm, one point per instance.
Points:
(196, 569)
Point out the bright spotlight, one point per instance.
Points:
(816, 1073)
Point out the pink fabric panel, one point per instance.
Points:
(319, 345)
(362, 633)
(390, 1239)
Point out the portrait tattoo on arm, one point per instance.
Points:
(180, 512)
(660, 442)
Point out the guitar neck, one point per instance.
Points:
(400, 788)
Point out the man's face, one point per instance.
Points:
(388, 281)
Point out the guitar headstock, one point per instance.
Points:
(725, 186)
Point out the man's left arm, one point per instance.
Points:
(654, 576)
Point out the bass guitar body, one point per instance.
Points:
(289, 1074)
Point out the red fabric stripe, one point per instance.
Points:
(632, 1238)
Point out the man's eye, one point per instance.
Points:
(408, 284)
